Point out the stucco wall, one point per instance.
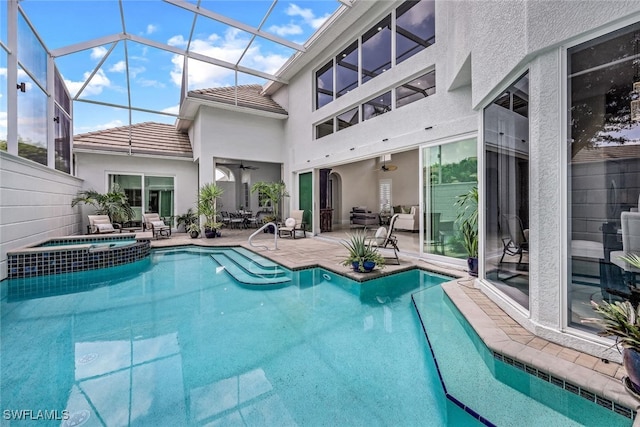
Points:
(35, 204)
(94, 169)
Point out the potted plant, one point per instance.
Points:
(622, 320)
(363, 257)
(468, 221)
(113, 203)
(193, 229)
(207, 197)
(270, 194)
(188, 218)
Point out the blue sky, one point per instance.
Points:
(155, 74)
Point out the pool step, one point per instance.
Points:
(242, 275)
(254, 263)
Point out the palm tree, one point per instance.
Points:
(113, 203)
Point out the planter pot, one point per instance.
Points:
(367, 265)
(472, 264)
(194, 234)
(631, 361)
(210, 234)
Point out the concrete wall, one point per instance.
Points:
(35, 204)
(94, 169)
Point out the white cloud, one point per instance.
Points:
(151, 28)
(97, 53)
(227, 48)
(118, 67)
(307, 15)
(95, 86)
(150, 83)
(3, 72)
(172, 110)
(289, 29)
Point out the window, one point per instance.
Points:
(603, 170)
(324, 85)
(506, 145)
(376, 50)
(450, 170)
(324, 129)
(416, 89)
(347, 119)
(347, 69)
(385, 195)
(415, 28)
(32, 123)
(63, 140)
(377, 106)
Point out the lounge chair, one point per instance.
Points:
(385, 238)
(518, 241)
(153, 222)
(293, 225)
(101, 224)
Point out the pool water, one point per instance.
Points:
(174, 340)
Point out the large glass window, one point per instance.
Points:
(416, 89)
(158, 192)
(63, 141)
(325, 128)
(132, 187)
(347, 69)
(347, 119)
(32, 126)
(450, 171)
(603, 154)
(376, 50)
(31, 53)
(324, 85)
(377, 106)
(415, 28)
(506, 144)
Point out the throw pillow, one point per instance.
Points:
(104, 228)
(381, 235)
(406, 209)
(290, 222)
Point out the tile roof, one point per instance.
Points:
(249, 96)
(602, 153)
(146, 138)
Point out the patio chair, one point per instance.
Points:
(386, 239)
(101, 224)
(293, 224)
(153, 222)
(630, 222)
(518, 240)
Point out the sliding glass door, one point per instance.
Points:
(449, 171)
(146, 194)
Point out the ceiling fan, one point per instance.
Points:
(242, 166)
(387, 168)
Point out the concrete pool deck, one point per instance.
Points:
(503, 335)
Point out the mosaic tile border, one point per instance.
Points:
(566, 385)
(56, 261)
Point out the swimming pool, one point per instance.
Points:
(174, 340)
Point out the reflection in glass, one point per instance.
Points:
(347, 69)
(32, 122)
(324, 129)
(158, 192)
(63, 141)
(348, 118)
(415, 28)
(603, 153)
(450, 170)
(506, 142)
(416, 89)
(377, 106)
(376, 50)
(132, 187)
(324, 85)
(31, 53)
(60, 93)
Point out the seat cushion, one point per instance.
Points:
(104, 228)
(158, 224)
(381, 235)
(290, 222)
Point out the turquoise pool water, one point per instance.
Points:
(174, 340)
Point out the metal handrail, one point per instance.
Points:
(275, 236)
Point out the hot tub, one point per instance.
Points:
(76, 253)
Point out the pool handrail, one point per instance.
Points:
(275, 236)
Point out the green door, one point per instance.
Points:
(305, 186)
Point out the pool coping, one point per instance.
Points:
(601, 384)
